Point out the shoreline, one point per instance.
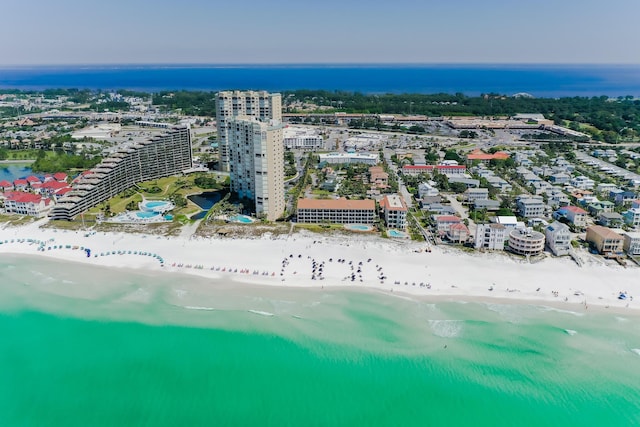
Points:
(303, 260)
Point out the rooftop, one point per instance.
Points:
(337, 204)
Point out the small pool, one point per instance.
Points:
(397, 234)
(241, 218)
(159, 206)
(358, 227)
(146, 215)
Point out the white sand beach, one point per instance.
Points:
(312, 260)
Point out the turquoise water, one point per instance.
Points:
(146, 214)
(358, 227)
(396, 233)
(155, 204)
(86, 346)
(241, 218)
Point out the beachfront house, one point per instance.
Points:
(632, 217)
(444, 222)
(631, 243)
(604, 239)
(525, 241)
(558, 238)
(490, 237)
(458, 233)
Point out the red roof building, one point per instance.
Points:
(33, 179)
(60, 176)
(22, 203)
(6, 185)
(20, 184)
(481, 156)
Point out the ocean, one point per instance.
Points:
(84, 346)
(537, 80)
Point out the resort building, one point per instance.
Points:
(256, 163)
(346, 158)
(604, 239)
(490, 236)
(339, 211)
(395, 211)
(163, 155)
(574, 214)
(558, 238)
(526, 242)
(26, 204)
(302, 139)
(230, 104)
(631, 243)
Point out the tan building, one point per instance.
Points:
(230, 104)
(395, 211)
(526, 242)
(340, 211)
(256, 163)
(604, 239)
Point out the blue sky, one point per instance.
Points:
(325, 31)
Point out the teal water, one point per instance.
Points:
(82, 346)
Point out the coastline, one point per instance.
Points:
(354, 262)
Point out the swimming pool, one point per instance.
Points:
(397, 234)
(145, 215)
(241, 218)
(158, 206)
(358, 227)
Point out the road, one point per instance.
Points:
(463, 212)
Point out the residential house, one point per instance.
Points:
(458, 233)
(444, 222)
(596, 208)
(559, 178)
(469, 182)
(610, 219)
(426, 189)
(558, 238)
(604, 239)
(473, 194)
(510, 222)
(20, 184)
(530, 207)
(499, 184)
(605, 188)
(488, 204)
(622, 197)
(6, 185)
(575, 215)
(491, 236)
(582, 182)
(631, 243)
(632, 217)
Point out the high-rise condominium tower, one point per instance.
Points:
(251, 147)
(229, 104)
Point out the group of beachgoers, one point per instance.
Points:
(355, 271)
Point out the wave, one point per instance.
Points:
(636, 351)
(446, 328)
(570, 332)
(195, 307)
(262, 313)
(559, 310)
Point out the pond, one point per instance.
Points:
(13, 171)
(205, 201)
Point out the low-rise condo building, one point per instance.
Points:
(347, 158)
(395, 211)
(525, 241)
(26, 204)
(162, 155)
(631, 243)
(491, 236)
(454, 170)
(339, 211)
(604, 239)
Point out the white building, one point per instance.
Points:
(302, 138)
(491, 236)
(558, 238)
(229, 104)
(425, 189)
(344, 158)
(473, 194)
(256, 163)
(631, 243)
(582, 183)
(530, 207)
(21, 203)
